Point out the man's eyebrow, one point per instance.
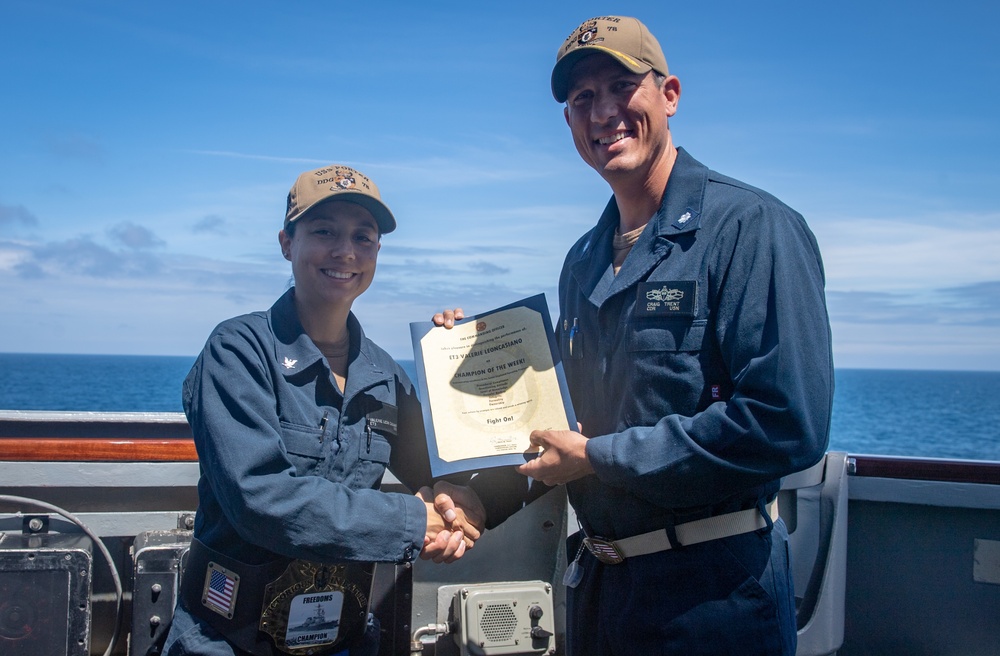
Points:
(621, 75)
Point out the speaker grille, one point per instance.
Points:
(498, 622)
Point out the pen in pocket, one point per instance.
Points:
(572, 336)
(322, 425)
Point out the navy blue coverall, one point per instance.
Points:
(290, 467)
(702, 373)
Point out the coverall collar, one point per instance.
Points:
(295, 351)
(679, 214)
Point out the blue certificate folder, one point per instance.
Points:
(419, 329)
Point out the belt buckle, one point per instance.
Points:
(604, 550)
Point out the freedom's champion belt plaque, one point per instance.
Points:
(314, 608)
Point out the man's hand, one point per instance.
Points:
(455, 520)
(460, 505)
(447, 318)
(441, 544)
(564, 458)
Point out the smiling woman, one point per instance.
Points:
(342, 218)
(333, 253)
(296, 416)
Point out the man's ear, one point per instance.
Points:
(672, 93)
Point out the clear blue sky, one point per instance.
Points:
(146, 150)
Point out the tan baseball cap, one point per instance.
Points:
(624, 38)
(337, 182)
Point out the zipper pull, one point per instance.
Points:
(368, 435)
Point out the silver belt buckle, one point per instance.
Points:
(604, 550)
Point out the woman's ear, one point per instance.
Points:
(286, 245)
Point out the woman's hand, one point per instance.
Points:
(455, 520)
(447, 318)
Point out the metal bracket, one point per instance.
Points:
(34, 524)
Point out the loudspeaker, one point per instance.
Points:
(504, 619)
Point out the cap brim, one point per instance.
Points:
(383, 217)
(563, 67)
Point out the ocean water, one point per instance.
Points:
(935, 414)
(114, 383)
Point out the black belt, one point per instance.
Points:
(283, 606)
(246, 584)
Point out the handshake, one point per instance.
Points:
(455, 520)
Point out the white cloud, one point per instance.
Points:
(915, 346)
(134, 236)
(882, 255)
(12, 255)
(76, 146)
(212, 223)
(11, 214)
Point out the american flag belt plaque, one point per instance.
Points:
(221, 588)
(604, 550)
(317, 608)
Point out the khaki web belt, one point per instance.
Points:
(701, 530)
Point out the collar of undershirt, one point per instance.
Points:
(622, 245)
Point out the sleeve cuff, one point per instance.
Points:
(414, 527)
(600, 453)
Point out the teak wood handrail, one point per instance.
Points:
(59, 449)
(928, 469)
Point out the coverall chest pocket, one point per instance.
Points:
(666, 373)
(376, 450)
(304, 446)
(375, 446)
(667, 336)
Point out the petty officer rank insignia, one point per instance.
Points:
(666, 298)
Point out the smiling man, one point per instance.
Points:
(696, 345)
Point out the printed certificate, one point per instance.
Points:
(487, 383)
